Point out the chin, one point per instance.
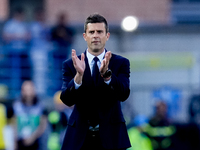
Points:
(96, 50)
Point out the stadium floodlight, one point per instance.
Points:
(130, 23)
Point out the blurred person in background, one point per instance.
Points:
(30, 118)
(159, 128)
(16, 40)
(58, 121)
(62, 37)
(39, 48)
(139, 139)
(96, 83)
(6, 120)
(15, 32)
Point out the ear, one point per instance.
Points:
(108, 35)
(84, 36)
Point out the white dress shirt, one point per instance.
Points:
(91, 63)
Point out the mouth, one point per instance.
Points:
(95, 42)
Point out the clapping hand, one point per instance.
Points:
(105, 62)
(79, 65)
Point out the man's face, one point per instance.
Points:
(96, 37)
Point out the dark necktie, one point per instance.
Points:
(95, 72)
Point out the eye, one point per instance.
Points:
(91, 32)
(100, 31)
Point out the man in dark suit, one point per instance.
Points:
(97, 122)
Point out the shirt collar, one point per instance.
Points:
(91, 57)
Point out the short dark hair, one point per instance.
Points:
(96, 18)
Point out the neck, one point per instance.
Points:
(96, 52)
(28, 100)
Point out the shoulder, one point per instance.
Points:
(8, 24)
(68, 65)
(17, 102)
(68, 61)
(119, 58)
(17, 107)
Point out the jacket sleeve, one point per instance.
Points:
(120, 83)
(68, 87)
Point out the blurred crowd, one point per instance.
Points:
(27, 123)
(31, 56)
(159, 132)
(35, 50)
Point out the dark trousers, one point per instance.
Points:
(93, 142)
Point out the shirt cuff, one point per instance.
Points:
(77, 85)
(108, 82)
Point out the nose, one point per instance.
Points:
(96, 34)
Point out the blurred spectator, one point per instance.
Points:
(15, 32)
(62, 39)
(62, 36)
(159, 129)
(39, 50)
(16, 39)
(139, 140)
(58, 121)
(30, 118)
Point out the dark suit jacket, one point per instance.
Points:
(104, 98)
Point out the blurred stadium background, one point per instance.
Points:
(163, 49)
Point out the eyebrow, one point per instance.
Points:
(95, 30)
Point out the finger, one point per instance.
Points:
(82, 57)
(102, 66)
(74, 56)
(107, 59)
(104, 63)
(73, 53)
(109, 54)
(73, 50)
